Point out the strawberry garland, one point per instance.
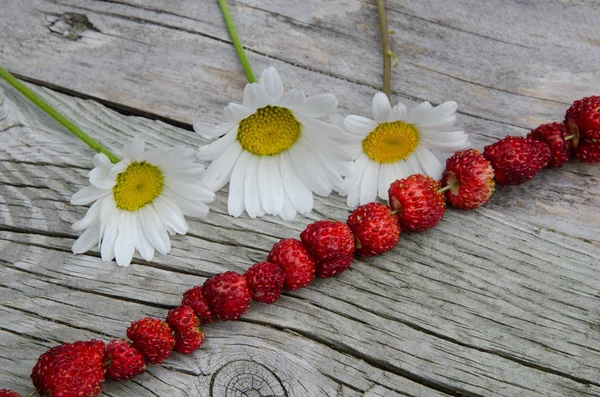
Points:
(325, 249)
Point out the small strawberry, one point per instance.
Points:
(153, 337)
(516, 160)
(123, 360)
(417, 202)
(298, 265)
(583, 116)
(8, 393)
(194, 299)
(70, 370)
(375, 227)
(331, 243)
(265, 280)
(188, 334)
(472, 179)
(553, 135)
(227, 295)
(588, 150)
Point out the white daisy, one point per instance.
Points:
(274, 152)
(396, 144)
(139, 201)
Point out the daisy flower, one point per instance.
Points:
(274, 152)
(396, 144)
(139, 201)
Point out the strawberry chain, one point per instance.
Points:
(326, 249)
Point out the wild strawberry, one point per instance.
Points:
(516, 160)
(123, 360)
(70, 370)
(228, 295)
(8, 393)
(417, 202)
(588, 150)
(554, 136)
(331, 243)
(583, 121)
(188, 334)
(194, 299)
(375, 227)
(471, 177)
(153, 337)
(298, 265)
(265, 280)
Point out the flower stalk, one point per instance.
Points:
(385, 47)
(447, 187)
(237, 43)
(68, 124)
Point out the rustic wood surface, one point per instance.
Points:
(500, 301)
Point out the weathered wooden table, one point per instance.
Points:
(501, 301)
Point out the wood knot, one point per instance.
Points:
(246, 378)
(71, 25)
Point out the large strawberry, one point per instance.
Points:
(417, 202)
(554, 135)
(471, 178)
(153, 337)
(70, 370)
(516, 160)
(375, 227)
(123, 361)
(265, 280)
(583, 122)
(228, 295)
(188, 334)
(194, 299)
(298, 265)
(331, 243)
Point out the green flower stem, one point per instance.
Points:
(237, 43)
(569, 137)
(387, 52)
(447, 187)
(98, 148)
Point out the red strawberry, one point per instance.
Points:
(588, 150)
(417, 202)
(472, 177)
(153, 337)
(265, 280)
(554, 136)
(375, 227)
(297, 263)
(188, 334)
(70, 370)
(516, 160)
(331, 243)
(123, 360)
(8, 393)
(194, 299)
(583, 121)
(227, 295)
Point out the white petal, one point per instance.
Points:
(381, 107)
(400, 170)
(320, 105)
(152, 226)
(209, 131)
(297, 192)
(320, 127)
(443, 136)
(100, 160)
(353, 182)
(309, 170)
(368, 185)
(196, 192)
(218, 172)
(87, 195)
(125, 244)
(87, 240)
(449, 147)
(143, 245)
(109, 238)
(235, 201)
(134, 148)
(413, 165)
(359, 125)
(387, 175)
(441, 112)
(293, 99)
(429, 163)
(213, 150)
(398, 113)
(251, 192)
(92, 215)
(234, 112)
(441, 125)
(119, 167)
(254, 96)
(330, 154)
(271, 83)
(100, 178)
(418, 114)
(288, 211)
(194, 208)
(170, 214)
(337, 119)
(269, 185)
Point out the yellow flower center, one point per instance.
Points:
(270, 130)
(137, 186)
(390, 142)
